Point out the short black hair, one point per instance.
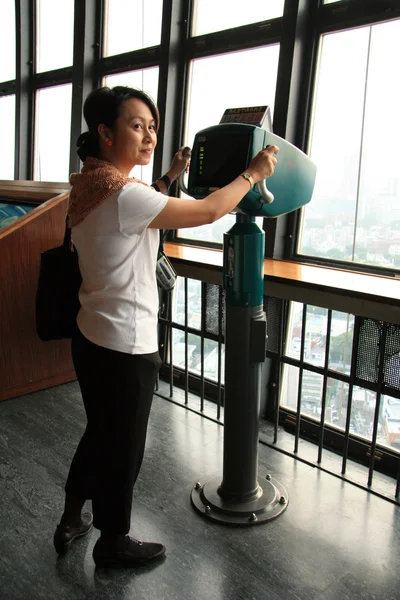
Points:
(103, 105)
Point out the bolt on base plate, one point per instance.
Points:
(270, 503)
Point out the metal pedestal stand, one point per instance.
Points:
(240, 499)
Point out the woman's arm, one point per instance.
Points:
(179, 213)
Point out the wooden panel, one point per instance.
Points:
(27, 363)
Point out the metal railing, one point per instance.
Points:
(361, 445)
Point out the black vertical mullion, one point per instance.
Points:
(24, 98)
(300, 41)
(324, 387)
(279, 365)
(86, 55)
(300, 386)
(186, 343)
(172, 75)
(353, 369)
(167, 355)
(381, 375)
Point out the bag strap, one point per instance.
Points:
(67, 235)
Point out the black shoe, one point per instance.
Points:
(127, 552)
(65, 534)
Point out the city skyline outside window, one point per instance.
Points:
(354, 214)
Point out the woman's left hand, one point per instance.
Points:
(180, 164)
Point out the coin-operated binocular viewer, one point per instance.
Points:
(220, 154)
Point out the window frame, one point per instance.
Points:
(330, 18)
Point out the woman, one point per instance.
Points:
(115, 222)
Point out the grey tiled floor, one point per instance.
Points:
(334, 541)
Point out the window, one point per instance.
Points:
(131, 25)
(52, 134)
(215, 15)
(7, 127)
(213, 89)
(314, 323)
(354, 215)
(146, 80)
(192, 303)
(7, 40)
(55, 34)
(340, 353)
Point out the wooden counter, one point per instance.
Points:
(26, 363)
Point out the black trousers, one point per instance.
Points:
(117, 391)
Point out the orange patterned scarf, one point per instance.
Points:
(97, 180)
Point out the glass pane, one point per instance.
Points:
(206, 109)
(353, 215)
(362, 412)
(7, 127)
(378, 218)
(193, 303)
(146, 80)
(389, 433)
(211, 358)
(216, 15)
(52, 147)
(55, 34)
(193, 351)
(290, 387)
(328, 226)
(7, 40)
(211, 361)
(337, 394)
(311, 394)
(131, 25)
(315, 335)
(293, 342)
(311, 391)
(341, 345)
(178, 302)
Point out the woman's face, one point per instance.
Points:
(134, 137)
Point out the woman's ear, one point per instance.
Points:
(105, 133)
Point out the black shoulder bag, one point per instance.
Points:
(57, 302)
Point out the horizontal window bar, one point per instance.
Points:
(130, 61)
(7, 88)
(231, 40)
(52, 78)
(356, 13)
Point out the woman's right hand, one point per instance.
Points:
(180, 213)
(263, 164)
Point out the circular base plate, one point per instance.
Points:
(270, 503)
